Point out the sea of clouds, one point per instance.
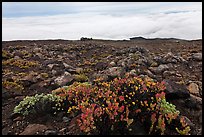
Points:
(72, 26)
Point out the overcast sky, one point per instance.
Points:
(101, 20)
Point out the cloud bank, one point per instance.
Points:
(171, 23)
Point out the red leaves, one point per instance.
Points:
(93, 105)
(121, 109)
(161, 86)
(160, 95)
(121, 117)
(83, 116)
(121, 98)
(153, 117)
(115, 113)
(138, 110)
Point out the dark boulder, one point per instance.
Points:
(175, 91)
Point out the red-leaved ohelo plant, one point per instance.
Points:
(105, 106)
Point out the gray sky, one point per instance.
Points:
(104, 20)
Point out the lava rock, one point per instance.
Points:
(67, 66)
(193, 89)
(175, 91)
(137, 129)
(112, 64)
(31, 129)
(192, 103)
(64, 79)
(50, 132)
(5, 94)
(161, 68)
(115, 72)
(66, 119)
(197, 56)
(29, 79)
(133, 72)
(149, 73)
(101, 65)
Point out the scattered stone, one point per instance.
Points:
(200, 118)
(19, 118)
(149, 73)
(59, 57)
(37, 50)
(192, 103)
(16, 57)
(63, 130)
(170, 58)
(199, 99)
(112, 64)
(67, 66)
(31, 129)
(133, 72)
(5, 131)
(193, 89)
(161, 68)
(137, 129)
(154, 64)
(19, 54)
(31, 77)
(66, 119)
(64, 79)
(79, 70)
(15, 115)
(44, 83)
(54, 72)
(50, 132)
(56, 57)
(197, 56)
(6, 94)
(168, 73)
(158, 59)
(51, 65)
(115, 72)
(101, 65)
(175, 91)
(39, 55)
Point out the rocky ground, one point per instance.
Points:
(31, 67)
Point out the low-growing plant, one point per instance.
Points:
(135, 56)
(80, 77)
(6, 71)
(39, 104)
(44, 75)
(185, 129)
(21, 63)
(26, 54)
(12, 85)
(6, 54)
(105, 105)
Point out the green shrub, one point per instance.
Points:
(39, 104)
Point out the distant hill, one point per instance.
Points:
(142, 38)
